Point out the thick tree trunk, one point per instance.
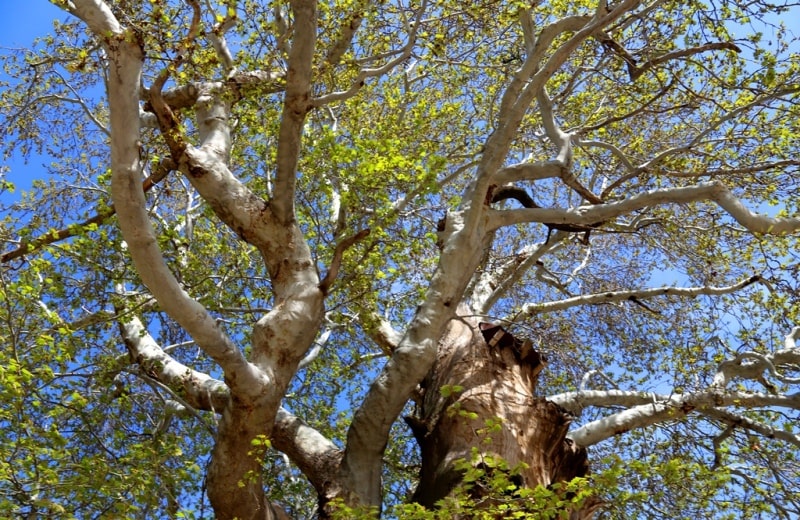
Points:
(485, 371)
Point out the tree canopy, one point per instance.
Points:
(248, 228)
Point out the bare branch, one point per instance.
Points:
(587, 377)
(296, 105)
(646, 409)
(341, 247)
(620, 296)
(640, 108)
(80, 101)
(736, 420)
(165, 166)
(752, 365)
(710, 191)
(217, 36)
(199, 390)
(619, 154)
(495, 283)
(635, 70)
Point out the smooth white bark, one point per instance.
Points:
(201, 391)
(640, 294)
(588, 215)
(646, 409)
(643, 409)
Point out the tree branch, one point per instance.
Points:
(124, 80)
(165, 166)
(635, 70)
(736, 420)
(363, 74)
(528, 171)
(347, 31)
(315, 455)
(646, 409)
(532, 309)
(333, 270)
(296, 105)
(710, 191)
(752, 365)
(199, 390)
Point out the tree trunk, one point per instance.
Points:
(483, 373)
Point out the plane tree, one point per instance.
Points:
(425, 258)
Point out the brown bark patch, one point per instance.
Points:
(483, 376)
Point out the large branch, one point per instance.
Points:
(124, 78)
(233, 88)
(576, 402)
(313, 453)
(634, 295)
(296, 105)
(351, 23)
(198, 389)
(528, 171)
(96, 14)
(646, 409)
(588, 215)
(530, 80)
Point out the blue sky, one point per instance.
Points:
(22, 21)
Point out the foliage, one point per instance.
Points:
(669, 96)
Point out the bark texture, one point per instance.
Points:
(495, 374)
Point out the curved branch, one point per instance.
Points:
(199, 390)
(635, 70)
(96, 14)
(759, 363)
(646, 409)
(124, 80)
(588, 215)
(217, 37)
(341, 247)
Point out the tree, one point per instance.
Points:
(271, 229)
